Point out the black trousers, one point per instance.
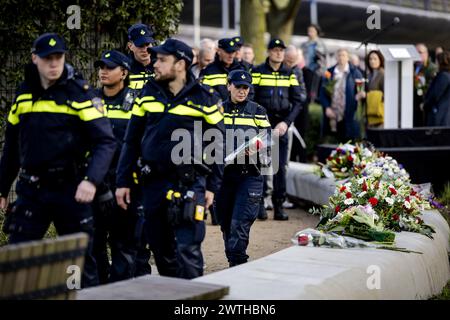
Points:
(39, 204)
(176, 247)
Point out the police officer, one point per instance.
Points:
(112, 224)
(238, 201)
(175, 192)
(140, 38)
(54, 121)
(239, 53)
(215, 74)
(277, 89)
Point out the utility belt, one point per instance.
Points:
(51, 176)
(242, 169)
(186, 174)
(184, 207)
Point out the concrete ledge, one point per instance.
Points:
(325, 273)
(303, 183)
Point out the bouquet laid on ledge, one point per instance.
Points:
(347, 161)
(377, 204)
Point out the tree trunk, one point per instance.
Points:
(253, 26)
(281, 18)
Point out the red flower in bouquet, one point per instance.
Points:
(337, 209)
(350, 158)
(364, 186)
(393, 191)
(348, 195)
(343, 188)
(373, 201)
(395, 217)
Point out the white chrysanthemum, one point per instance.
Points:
(362, 194)
(389, 200)
(407, 205)
(349, 201)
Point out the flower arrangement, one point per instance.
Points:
(346, 161)
(391, 205)
(387, 169)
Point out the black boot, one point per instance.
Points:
(279, 213)
(262, 214)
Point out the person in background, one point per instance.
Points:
(338, 99)
(291, 59)
(315, 54)
(240, 53)
(248, 55)
(356, 61)
(140, 38)
(375, 93)
(437, 98)
(205, 57)
(424, 71)
(278, 90)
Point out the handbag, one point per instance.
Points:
(375, 107)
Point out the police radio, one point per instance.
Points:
(129, 99)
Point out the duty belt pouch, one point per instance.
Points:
(189, 206)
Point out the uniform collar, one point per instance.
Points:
(283, 68)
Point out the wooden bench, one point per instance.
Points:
(153, 287)
(38, 269)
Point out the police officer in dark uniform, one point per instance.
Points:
(237, 204)
(240, 42)
(112, 224)
(140, 38)
(216, 73)
(54, 121)
(175, 192)
(277, 89)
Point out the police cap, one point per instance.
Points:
(174, 47)
(228, 44)
(112, 59)
(240, 77)
(239, 41)
(276, 42)
(48, 43)
(140, 34)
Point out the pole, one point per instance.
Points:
(197, 22)
(237, 17)
(225, 17)
(313, 12)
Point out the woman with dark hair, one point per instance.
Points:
(375, 92)
(437, 99)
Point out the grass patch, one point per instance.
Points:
(445, 294)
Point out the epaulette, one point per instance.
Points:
(82, 84)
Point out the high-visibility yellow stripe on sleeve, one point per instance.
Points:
(119, 114)
(152, 106)
(256, 77)
(262, 123)
(293, 80)
(274, 82)
(215, 79)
